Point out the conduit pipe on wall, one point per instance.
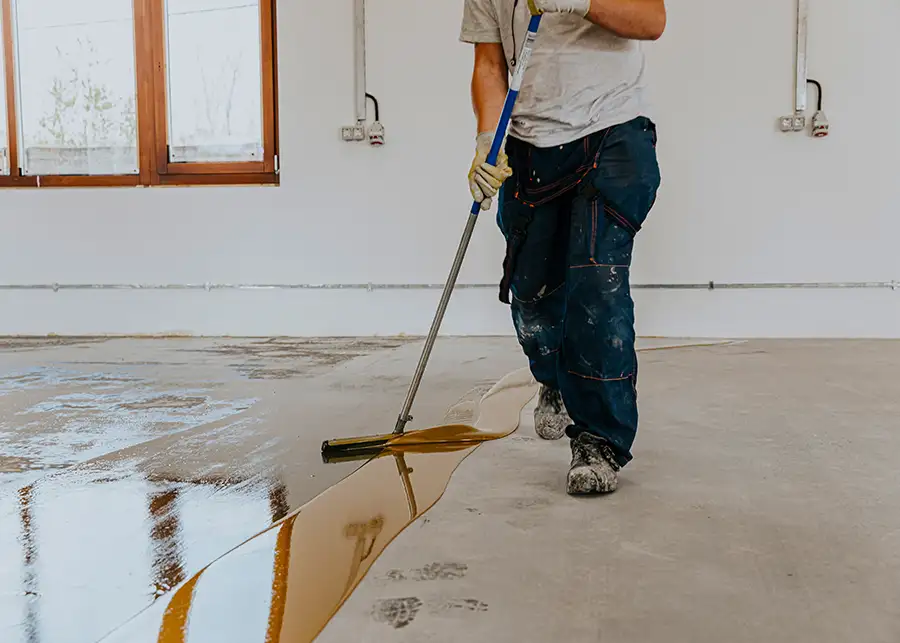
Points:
(796, 122)
(801, 89)
(362, 131)
(710, 285)
(359, 19)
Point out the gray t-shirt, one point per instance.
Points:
(581, 77)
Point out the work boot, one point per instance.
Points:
(594, 467)
(550, 417)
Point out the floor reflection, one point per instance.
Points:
(165, 533)
(313, 559)
(286, 584)
(29, 577)
(76, 562)
(81, 554)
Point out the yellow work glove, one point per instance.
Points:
(581, 7)
(485, 179)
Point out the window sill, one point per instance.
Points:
(164, 180)
(186, 180)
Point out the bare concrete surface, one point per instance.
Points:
(764, 503)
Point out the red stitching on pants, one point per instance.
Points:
(583, 169)
(602, 379)
(618, 217)
(599, 265)
(537, 299)
(556, 184)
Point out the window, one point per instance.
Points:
(137, 92)
(76, 87)
(217, 73)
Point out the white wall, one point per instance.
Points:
(740, 202)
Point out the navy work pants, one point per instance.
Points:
(570, 215)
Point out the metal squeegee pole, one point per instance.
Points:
(499, 134)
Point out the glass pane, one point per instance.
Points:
(215, 81)
(4, 139)
(77, 86)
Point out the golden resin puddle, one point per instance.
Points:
(308, 564)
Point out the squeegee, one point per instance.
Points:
(333, 449)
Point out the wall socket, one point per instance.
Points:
(353, 133)
(795, 123)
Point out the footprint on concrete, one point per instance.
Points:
(454, 604)
(433, 571)
(530, 503)
(396, 612)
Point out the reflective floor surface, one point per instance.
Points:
(128, 466)
(300, 571)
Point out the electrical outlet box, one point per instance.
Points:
(786, 123)
(820, 125)
(352, 133)
(376, 134)
(799, 123)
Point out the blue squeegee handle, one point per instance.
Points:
(511, 96)
(514, 85)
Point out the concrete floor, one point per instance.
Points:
(764, 503)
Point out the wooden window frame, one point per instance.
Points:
(155, 169)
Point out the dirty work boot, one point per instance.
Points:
(550, 417)
(594, 467)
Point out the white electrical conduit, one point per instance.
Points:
(359, 19)
(710, 285)
(801, 91)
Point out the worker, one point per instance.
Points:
(576, 179)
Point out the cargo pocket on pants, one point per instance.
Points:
(627, 177)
